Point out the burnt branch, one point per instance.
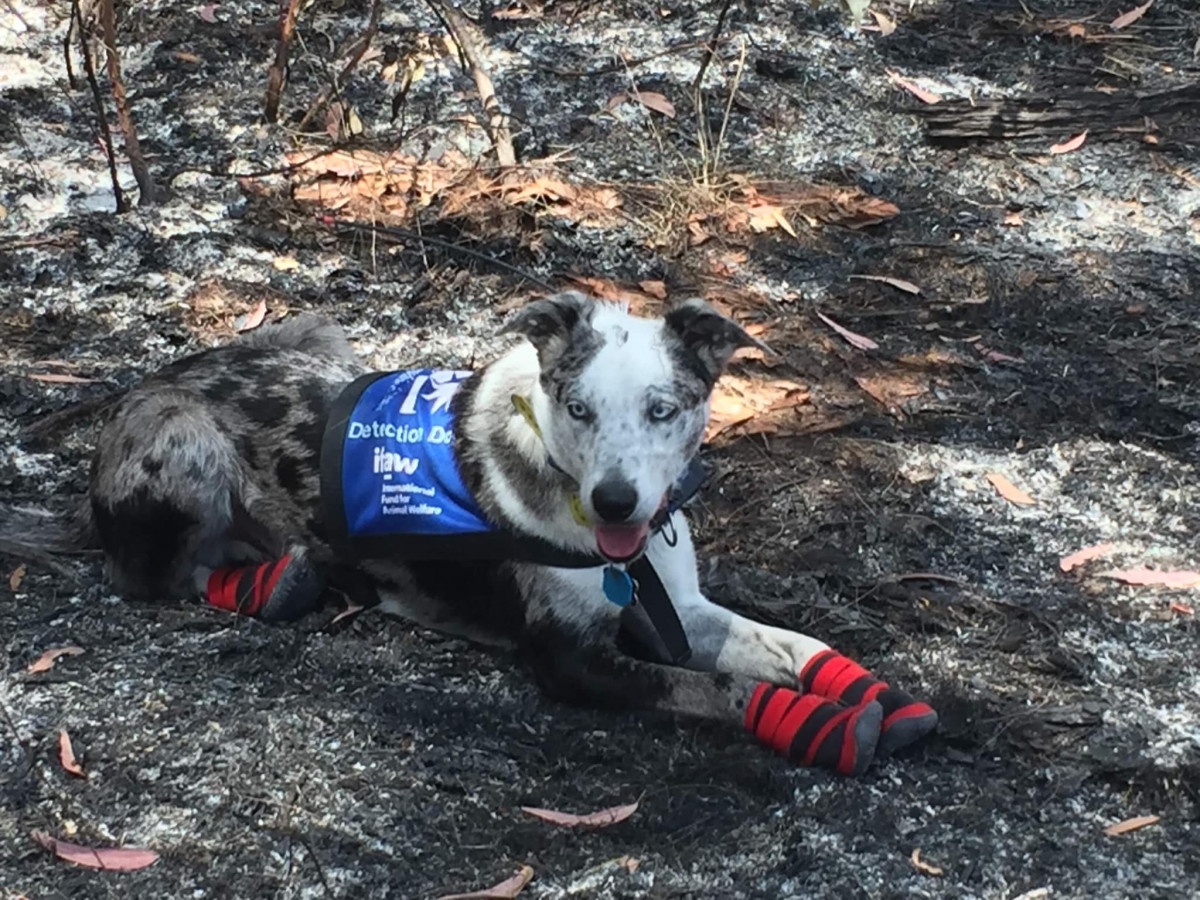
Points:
(89, 68)
(289, 12)
(148, 193)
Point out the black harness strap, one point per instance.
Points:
(653, 598)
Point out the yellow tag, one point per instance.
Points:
(524, 407)
(577, 510)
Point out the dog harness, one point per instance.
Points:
(391, 488)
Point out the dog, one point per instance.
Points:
(213, 478)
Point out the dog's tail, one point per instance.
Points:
(39, 534)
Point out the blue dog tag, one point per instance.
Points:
(618, 586)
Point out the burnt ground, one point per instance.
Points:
(373, 759)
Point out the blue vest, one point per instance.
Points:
(391, 486)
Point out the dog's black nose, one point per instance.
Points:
(614, 499)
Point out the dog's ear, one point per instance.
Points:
(549, 323)
(708, 336)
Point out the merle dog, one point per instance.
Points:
(208, 481)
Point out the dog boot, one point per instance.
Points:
(813, 731)
(279, 591)
(905, 720)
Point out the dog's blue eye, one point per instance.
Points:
(577, 410)
(662, 412)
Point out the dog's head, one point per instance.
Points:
(624, 402)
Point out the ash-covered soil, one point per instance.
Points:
(1056, 341)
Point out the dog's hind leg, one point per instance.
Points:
(169, 499)
(723, 641)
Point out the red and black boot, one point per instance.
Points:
(905, 719)
(813, 731)
(282, 590)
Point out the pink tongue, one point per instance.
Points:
(620, 541)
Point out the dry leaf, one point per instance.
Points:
(856, 340)
(505, 890)
(59, 378)
(892, 388)
(994, 355)
(1183, 609)
(46, 661)
(766, 216)
(117, 859)
(1009, 491)
(1079, 557)
(187, 57)
(656, 102)
(1126, 19)
(1142, 576)
(252, 319)
(886, 24)
(15, 579)
(1073, 144)
(1013, 219)
(923, 867)
(1135, 824)
(1077, 31)
(66, 755)
(907, 286)
(654, 289)
(285, 263)
(738, 401)
(648, 99)
(638, 303)
(773, 206)
(601, 819)
(352, 609)
(913, 88)
(728, 263)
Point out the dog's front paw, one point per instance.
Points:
(811, 730)
(905, 719)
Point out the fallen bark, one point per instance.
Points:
(1099, 113)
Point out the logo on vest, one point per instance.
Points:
(399, 472)
(386, 462)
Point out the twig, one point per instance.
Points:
(711, 48)
(404, 234)
(289, 12)
(355, 55)
(621, 66)
(89, 68)
(737, 81)
(67, 238)
(16, 14)
(316, 860)
(147, 193)
(703, 132)
(73, 19)
(459, 28)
